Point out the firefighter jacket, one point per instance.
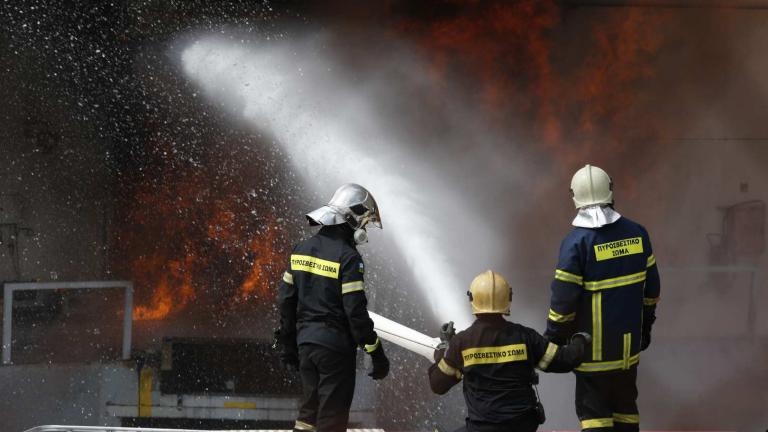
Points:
(607, 284)
(496, 360)
(321, 298)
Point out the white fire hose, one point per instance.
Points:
(405, 337)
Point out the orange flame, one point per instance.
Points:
(577, 108)
(264, 266)
(192, 237)
(174, 291)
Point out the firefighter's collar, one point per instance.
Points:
(595, 216)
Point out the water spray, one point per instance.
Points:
(332, 133)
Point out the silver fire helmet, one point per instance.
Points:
(352, 204)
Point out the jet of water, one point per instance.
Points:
(332, 133)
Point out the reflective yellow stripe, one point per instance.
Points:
(597, 326)
(240, 405)
(288, 278)
(627, 349)
(556, 317)
(651, 261)
(548, 356)
(448, 369)
(608, 365)
(614, 282)
(300, 425)
(568, 277)
(351, 287)
(371, 348)
(650, 301)
(597, 423)
(494, 354)
(626, 418)
(315, 265)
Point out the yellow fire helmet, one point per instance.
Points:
(490, 293)
(591, 186)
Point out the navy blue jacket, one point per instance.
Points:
(607, 284)
(321, 298)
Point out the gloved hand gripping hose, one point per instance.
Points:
(379, 359)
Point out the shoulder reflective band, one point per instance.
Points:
(615, 282)
(597, 423)
(597, 326)
(300, 425)
(371, 348)
(491, 355)
(351, 287)
(650, 261)
(448, 369)
(288, 278)
(608, 365)
(564, 276)
(548, 356)
(618, 248)
(650, 301)
(626, 418)
(556, 317)
(315, 265)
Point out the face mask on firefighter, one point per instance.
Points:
(358, 221)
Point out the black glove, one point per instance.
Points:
(447, 331)
(289, 353)
(649, 317)
(290, 359)
(646, 340)
(582, 337)
(380, 363)
(439, 354)
(556, 339)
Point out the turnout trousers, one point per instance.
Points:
(528, 422)
(608, 401)
(328, 384)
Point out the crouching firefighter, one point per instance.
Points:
(323, 314)
(496, 360)
(606, 282)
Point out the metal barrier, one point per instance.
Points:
(9, 289)
(59, 428)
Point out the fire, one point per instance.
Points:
(265, 264)
(196, 236)
(517, 59)
(174, 291)
(193, 232)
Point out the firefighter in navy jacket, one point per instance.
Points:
(496, 358)
(323, 313)
(606, 283)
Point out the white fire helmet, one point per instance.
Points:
(591, 186)
(489, 292)
(351, 204)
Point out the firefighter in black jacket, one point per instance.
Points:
(323, 315)
(496, 360)
(606, 283)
